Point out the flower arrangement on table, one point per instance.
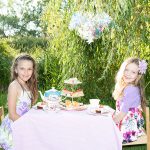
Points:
(89, 26)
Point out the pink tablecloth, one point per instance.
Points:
(65, 130)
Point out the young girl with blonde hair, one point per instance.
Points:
(130, 99)
(22, 93)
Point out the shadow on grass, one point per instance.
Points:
(136, 147)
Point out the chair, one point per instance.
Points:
(1, 113)
(144, 139)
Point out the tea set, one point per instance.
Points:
(53, 97)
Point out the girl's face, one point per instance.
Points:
(24, 70)
(130, 73)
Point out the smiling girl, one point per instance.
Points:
(129, 96)
(22, 93)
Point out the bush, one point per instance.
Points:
(6, 55)
(96, 64)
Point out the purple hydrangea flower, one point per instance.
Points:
(142, 66)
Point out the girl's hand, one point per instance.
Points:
(117, 118)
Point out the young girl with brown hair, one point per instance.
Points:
(22, 93)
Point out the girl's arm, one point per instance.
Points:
(117, 118)
(12, 100)
(130, 99)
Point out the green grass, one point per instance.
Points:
(3, 98)
(137, 147)
(3, 101)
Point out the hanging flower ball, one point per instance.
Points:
(89, 26)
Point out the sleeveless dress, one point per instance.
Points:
(23, 106)
(131, 126)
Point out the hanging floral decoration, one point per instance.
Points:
(89, 26)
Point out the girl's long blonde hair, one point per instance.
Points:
(32, 82)
(120, 84)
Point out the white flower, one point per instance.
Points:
(76, 20)
(89, 26)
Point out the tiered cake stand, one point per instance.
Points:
(71, 92)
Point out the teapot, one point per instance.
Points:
(51, 95)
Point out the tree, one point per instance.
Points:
(97, 63)
(24, 21)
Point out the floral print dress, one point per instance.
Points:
(23, 106)
(131, 126)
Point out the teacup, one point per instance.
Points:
(94, 102)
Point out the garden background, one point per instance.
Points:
(42, 30)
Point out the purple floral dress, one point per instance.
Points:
(23, 106)
(131, 126)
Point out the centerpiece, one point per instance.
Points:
(89, 26)
(73, 91)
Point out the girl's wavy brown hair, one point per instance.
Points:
(32, 82)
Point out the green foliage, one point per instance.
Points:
(49, 71)
(96, 64)
(10, 47)
(3, 101)
(6, 55)
(7, 22)
(28, 44)
(135, 147)
(20, 24)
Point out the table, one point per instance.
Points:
(65, 130)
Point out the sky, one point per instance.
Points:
(17, 3)
(18, 6)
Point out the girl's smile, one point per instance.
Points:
(24, 70)
(130, 73)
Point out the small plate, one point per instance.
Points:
(91, 112)
(79, 108)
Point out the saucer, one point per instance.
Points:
(39, 105)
